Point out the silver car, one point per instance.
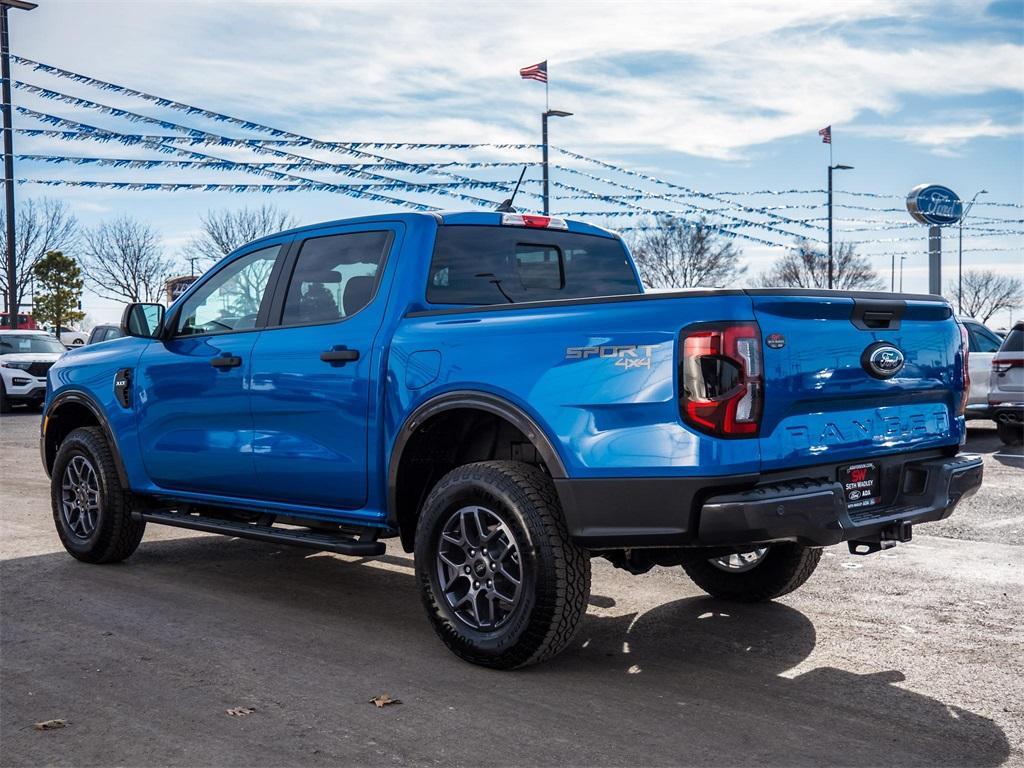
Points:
(1006, 387)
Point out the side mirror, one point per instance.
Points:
(142, 320)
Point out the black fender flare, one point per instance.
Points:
(80, 398)
(481, 401)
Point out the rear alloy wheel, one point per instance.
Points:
(91, 509)
(503, 584)
(755, 575)
(479, 568)
(1010, 432)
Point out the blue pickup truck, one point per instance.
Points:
(497, 391)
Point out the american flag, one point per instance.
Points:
(826, 134)
(535, 72)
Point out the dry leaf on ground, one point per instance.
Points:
(50, 725)
(241, 711)
(384, 700)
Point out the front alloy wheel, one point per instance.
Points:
(478, 567)
(80, 497)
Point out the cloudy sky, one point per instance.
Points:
(712, 96)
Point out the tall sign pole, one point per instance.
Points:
(935, 260)
(5, 70)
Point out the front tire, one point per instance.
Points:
(761, 574)
(502, 583)
(91, 509)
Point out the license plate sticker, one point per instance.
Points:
(861, 485)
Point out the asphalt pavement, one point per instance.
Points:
(914, 656)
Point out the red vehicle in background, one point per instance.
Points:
(25, 322)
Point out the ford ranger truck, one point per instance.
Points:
(497, 391)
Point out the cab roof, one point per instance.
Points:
(463, 218)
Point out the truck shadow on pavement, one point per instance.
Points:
(186, 626)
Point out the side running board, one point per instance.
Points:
(296, 537)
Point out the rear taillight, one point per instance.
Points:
(721, 385)
(964, 351)
(1002, 366)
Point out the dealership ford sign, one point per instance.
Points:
(934, 204)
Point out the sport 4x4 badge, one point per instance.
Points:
(626, 356)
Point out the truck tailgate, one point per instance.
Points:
(826, 402)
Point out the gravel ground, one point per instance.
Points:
(908, 657)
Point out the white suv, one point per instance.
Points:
(983, 345)
(25, 357)
(1006, 389)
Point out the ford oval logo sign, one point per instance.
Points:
(882, 360)
(934, 204)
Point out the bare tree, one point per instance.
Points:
(806, 266)
(677, 254)
(41, 226)
(124, 261)
(223, 231)
(987, 292)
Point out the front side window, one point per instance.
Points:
(230, 300)
(335, 276)
(495, 265)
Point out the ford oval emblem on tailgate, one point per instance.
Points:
(882, 360)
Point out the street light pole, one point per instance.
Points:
(960, 257)
(5, 90)
(544, 151)
(831, 168)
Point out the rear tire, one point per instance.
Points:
(1010, 433)
(502, 583)
(91, 509)
(782, 569)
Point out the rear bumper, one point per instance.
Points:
(663, 512)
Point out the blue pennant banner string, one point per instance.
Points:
(203, 135)
(614, 200)
(408, 186)
(249, 125)
(312, 165)
(689, 192)
(54, 120)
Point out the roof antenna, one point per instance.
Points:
(506, 207)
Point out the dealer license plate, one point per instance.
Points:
(861, 485)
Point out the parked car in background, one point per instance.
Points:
(25, 321)
(1006, 387)
(984, 343)
(25, 358)
(69, 337)
(104, 333)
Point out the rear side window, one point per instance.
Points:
(499, 265)
(1014, 341)
(335, 276)
(982, 339)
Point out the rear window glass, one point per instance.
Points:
(499, 265)
(1014, 341)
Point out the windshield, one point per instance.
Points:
(505, 265)
(19, 345)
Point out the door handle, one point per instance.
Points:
(339, 356)
(226, 361)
